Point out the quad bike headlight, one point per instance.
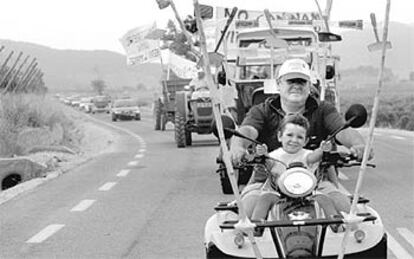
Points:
(359, 235)
(239, 240)
(296, 182)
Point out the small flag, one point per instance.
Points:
(163, 3)
(206, 11)
(353, 24)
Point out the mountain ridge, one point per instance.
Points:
(73, 70)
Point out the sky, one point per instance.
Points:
(99, 24)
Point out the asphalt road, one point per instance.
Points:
(148, 199)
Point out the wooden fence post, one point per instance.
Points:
(5, 63)
(11, 69)
(24, 75)
(15, 74)
(29, 74)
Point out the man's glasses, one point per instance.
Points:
(297, 81)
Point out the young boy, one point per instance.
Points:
(292, 134)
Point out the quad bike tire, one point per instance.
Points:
(179, 128)
(225, 181)
(243, 179)
(212, 252)
(157, 115)
(226, 185)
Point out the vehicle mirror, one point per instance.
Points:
(270, 86)
(356, 115)
(330, 72)
(328, 37)
(221, 77)
(228, 123)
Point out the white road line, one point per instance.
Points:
(407, 234)
(123, 173)
(45, 233)
(397, 137)
(107, 186)
(142, 150)
(397, 249)
(83, 205)
(139, 156)
(133, 163)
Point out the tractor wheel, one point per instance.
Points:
(180, 134)
(163, 121)
(157, 115)
(188, 139)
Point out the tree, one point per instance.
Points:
(98, 85)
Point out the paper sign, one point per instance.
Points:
(139, 49)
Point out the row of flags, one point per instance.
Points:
(142, 45)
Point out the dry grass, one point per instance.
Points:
(22, 111)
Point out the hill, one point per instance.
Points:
(400, 59)
(73, 70)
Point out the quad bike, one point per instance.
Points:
(296, 227)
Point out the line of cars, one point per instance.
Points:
(120, 109)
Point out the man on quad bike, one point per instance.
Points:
(262, 120)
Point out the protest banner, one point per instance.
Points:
(139, 47)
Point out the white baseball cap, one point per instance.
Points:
(294, 68)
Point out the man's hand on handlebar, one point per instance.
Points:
(358, 152)
(237, 154)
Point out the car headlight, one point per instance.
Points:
(296, 182)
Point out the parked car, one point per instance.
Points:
(86, 104)
(125, 109)
(101, 103)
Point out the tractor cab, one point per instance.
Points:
(253, 65)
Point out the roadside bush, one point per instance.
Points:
(22, 111)
(394, 110)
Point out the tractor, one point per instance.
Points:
(164, 106)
